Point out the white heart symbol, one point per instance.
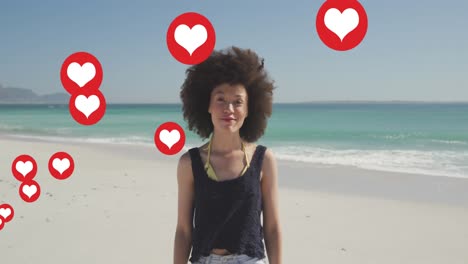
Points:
(169, 139)
(87, 105)
(5, 212)
(190, 39)
(81, 75)
(341, 23)
(61, 165)
(29, 190)
(24, 167)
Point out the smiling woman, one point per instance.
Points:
(226, 185)
(228, 107)
(236, 67)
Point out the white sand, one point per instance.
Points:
(119, 206)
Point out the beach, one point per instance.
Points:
(120, 206)
(363, 103)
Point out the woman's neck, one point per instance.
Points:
(226, 143)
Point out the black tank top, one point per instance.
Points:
(226, 214)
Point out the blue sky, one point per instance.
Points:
(412, 50)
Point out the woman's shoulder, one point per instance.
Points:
(266, 152)
(184, 169)
(263, 152)
(269, 159)
(254, 146)
(185, 159)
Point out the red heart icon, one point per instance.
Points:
(29, 191)
(6, 212)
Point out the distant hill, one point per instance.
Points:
(10, 95)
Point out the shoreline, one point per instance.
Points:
(339, 179)
(136, 146)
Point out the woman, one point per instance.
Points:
(225, 185)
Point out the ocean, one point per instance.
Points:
(423, 138)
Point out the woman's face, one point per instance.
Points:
(228, 106)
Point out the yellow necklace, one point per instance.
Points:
(209, 169)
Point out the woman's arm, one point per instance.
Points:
(183, 235)
(271, 224)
